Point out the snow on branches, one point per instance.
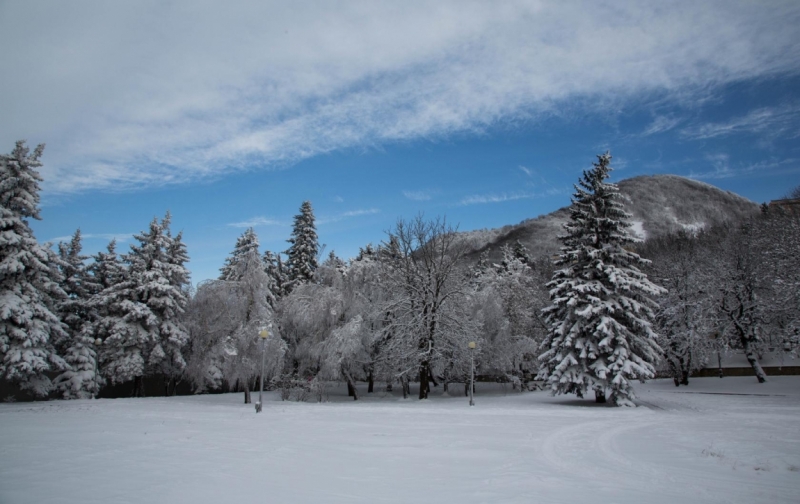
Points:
(600, 334)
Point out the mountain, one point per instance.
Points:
(660, 204)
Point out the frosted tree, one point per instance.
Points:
(28, 292)
(142, 330)
(76, 312)
(506, 302)
(244, 244)
(304, 247)
(173, 332)
(600, 335)
(427, 326)
(686, 314)
(278, 279)
(250, 312)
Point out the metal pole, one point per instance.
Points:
(261, 386)
(97, 343)
(472, 376)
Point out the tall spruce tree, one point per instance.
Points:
(600, 334)
(28, 291)
(142, 330)
(76, 312)
(244, 244)
(304, 246)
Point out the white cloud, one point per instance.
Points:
(422, 195)
(257, 222)
(722, 169)
(347, 215)
(493, 198)
(772, 121)
(119, 237)
(132, 94)
(660, 124)
(526, 171)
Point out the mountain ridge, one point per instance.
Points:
(659, 204)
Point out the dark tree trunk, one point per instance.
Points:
(424, 386)
(138, 387)
(599, 396)
(761, 376)
(247, 394)
(370, 383)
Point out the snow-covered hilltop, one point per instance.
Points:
(660, 204)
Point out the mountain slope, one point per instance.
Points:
(660, 204)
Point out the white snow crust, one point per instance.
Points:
(699, 444)
(637, 228)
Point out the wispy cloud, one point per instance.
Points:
(478, 199)
(347, 215)
(660, 124)
(257, 222)
(526, 171)
(176, 93)
(338, 199)
(421, 195)
(120, 237)
(773, 121)
(721, 168)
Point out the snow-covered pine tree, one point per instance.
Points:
(142, 331)
(76, 312)
(600, 334)
(28, 292)
(304, 246)
(173, 332)
(246, 242)
(274, 268)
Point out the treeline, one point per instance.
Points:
(402, 311)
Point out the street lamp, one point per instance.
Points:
(472, 346)
(263, 334)
(97, 343)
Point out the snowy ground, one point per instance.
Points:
(697, 444)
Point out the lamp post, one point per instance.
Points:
(263, 334)
(472, 371)
(97, 343)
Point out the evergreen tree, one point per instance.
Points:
(76, 312)
(246, 242)
(305, 247)
(278, 279)
(174, 334)
(600, 335)
(142, 330)
(28, 292)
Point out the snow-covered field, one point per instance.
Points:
(697, 444)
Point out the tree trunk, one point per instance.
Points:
(599, 396)
(247, 394)
(750, 353)
(138, 387)
(370, 383)
(351, 386)
(404, 386)
(424, 386)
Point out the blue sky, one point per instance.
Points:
(231, 115)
